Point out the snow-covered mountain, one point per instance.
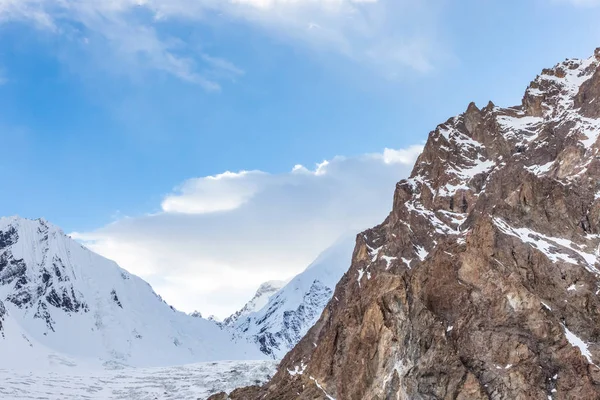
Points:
(292, 310)
(63, 304)
(260, 299)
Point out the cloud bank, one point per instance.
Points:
(218, 237)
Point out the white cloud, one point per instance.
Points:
(402, 156)
(217, 238)
(28, 10)
(135, 41)
(223, 192)
(391, 36)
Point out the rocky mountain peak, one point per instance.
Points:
(556, 89)
(258, 301)
(283, 316)
(27, 243)
(483, 281)
(270, 286)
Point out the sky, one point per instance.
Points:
(211, 145)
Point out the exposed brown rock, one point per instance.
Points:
(219, 396)
(484, 276)
(589, 91)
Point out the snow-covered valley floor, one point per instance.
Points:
(193, 381)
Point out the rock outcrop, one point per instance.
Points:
(483, 281)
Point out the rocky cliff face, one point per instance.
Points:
(483, 282)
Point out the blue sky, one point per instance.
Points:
(108, 109)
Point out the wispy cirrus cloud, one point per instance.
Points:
(128, 31)
(389, 36)
(218, 237)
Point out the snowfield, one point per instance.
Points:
(193, 381)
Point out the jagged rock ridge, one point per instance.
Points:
(260, 299)
(63, 304)
(483, 281)
(276, 327)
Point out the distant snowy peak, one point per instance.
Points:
(288, 314)
(265, 291)
(260, 299)
(214, 319)
(57, 297)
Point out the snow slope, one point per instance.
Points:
(289, 313)
(65, 305)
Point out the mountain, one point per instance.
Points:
(279, 324)
(483, 281)
(61, 304)
(260, 299)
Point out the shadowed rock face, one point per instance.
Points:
(482, 282)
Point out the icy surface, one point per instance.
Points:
(361, 272)
(194, 381)
(540, 169)
(388, 261)
(520, 128)
(580, 344)
(298, 369)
